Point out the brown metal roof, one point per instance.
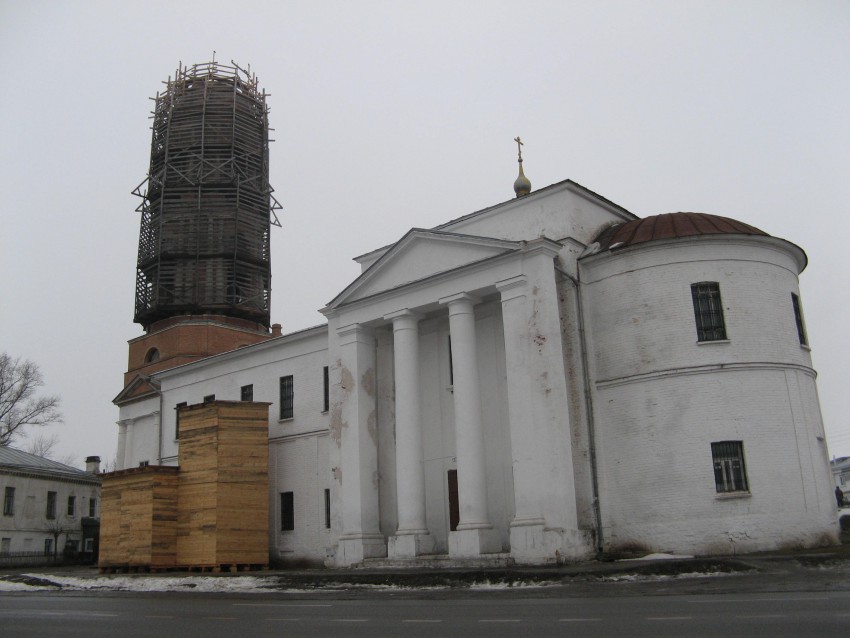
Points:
(671, 226)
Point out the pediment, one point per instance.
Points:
(421, 254)
(139, 388)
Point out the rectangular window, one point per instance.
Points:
(708, 311)
(798, 318)
(246, 393)
(209, 398)
(9, 502)
(287, 511)
(177, 407)
(88, 545)
(287, 395)
(48, 546)
(72, 506)
(730, 473)
(326, 390)
(327, 509)
(93, 507)
(5, 545)
(50, 513)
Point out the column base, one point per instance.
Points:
(472, 543)
(354, 548)
(410, 545)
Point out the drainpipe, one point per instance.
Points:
(588, 399)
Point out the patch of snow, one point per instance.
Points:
(241, 584)
(657, 557)
(517, 584)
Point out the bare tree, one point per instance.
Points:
(42, 445)
(19, 405)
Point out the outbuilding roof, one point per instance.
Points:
(20, 461)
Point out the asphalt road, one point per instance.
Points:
(128, 615)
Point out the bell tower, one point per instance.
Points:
(203, 273)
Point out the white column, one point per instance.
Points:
(475, 534)
(412, 537)
(358, 430)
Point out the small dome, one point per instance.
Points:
(522, 186)
(671, 226)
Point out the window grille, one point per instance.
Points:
(798, 319)
(287, 511)
(287, 394)
(708, 311)
(730, 473)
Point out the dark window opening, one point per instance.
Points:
(72, 506)
(326, 390)
(287, 395)
(708, 311)
(9, 502)
(798, 319)
(152, 356)
(50, 512)
(287, 511)
(177, 407)
(730, 473)
(327, 508)
(454, 502)
(93, 507)
(209, 398)
(246, 393)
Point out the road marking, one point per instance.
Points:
(669, 618)
(350, 619)
(760, 616)
(280, 605)
(759, 600)
(499, 620)
(286, 619)
(579, 619)
(421, 620)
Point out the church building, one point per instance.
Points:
(536, 382)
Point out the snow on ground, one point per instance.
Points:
(658, 557)
(238, 584)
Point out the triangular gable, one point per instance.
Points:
(139, 388)
(421, 254)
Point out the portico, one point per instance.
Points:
(495, 320)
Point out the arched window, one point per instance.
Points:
(152, 356)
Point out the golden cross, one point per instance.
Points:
(518, 147)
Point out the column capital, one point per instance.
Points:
(459, 298)
(354, 332)
(404, 313)
(513, 287)
(542, 245)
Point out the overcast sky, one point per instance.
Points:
(393, 115)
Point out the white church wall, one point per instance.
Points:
(657, 474)
(661, 398)
(138, 433)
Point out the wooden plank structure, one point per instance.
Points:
(138, 524)
(210, 513)
(223, 505)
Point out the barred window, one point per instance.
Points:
(798, 318)
(287, 395)
(708, 311)
(287, 511)
(730, 473)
